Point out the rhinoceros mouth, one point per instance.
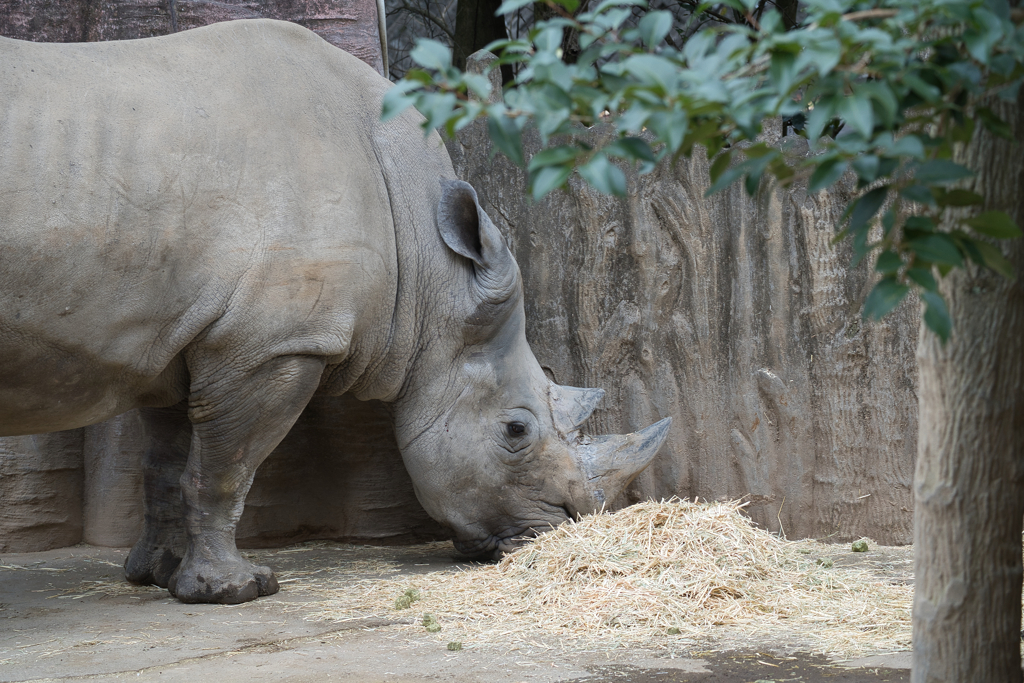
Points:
(496, 546)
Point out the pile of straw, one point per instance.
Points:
(657, 573)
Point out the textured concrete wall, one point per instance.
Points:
(40, 491)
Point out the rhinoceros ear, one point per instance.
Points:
(465, 227)
(467, 231)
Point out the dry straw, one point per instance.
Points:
(657, 575)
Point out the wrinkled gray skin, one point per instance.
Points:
(214, 226)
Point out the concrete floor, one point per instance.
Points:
(65, 615)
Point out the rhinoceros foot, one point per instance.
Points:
(149, 563)
(227, 582)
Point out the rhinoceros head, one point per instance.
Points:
(494, 448)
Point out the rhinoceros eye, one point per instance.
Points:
(516, 429)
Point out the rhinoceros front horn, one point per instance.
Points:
(611, 462)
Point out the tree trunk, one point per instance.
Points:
(475, 26)
(969, 483)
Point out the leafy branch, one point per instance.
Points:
(906, 80)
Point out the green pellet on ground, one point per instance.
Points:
(825, 562)
(405, 600)
(673, 630)
(455, 646)
(860, 546)
(430, 623)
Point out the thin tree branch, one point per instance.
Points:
(426, 15)
(870, 14)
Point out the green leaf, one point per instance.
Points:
(883, 96)
(554, 156)
(478, 84)
(907, 146)
(937, 248)
(919, 194)
(827, 173)
(758, 150)
(885, 296)
(783, 70)
(397, 99)
(606, 5)
(652, 70)
(570, 6)
(918, 225)
(720, 164)
(888, 262)
(548, 37)
(781, 170)
(438, 108)
(752, 182)
(926, 91)
(754, 169)
(866, 167)
(924, 278)
(936, 315)
(888, 221)
(506, 137)
(727, 178)
(856, 110)
(431, 54)
(994, 259)
(940, 172)
(995, 224)
(509, 6)
(963, 131)
(604, 176)
(549, 178)
(865, 208)
(654, 27)
(994, 124)
(670, 127)
(631, 148)
(958, 198)
(819, 117)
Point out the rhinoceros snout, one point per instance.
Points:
(495, 547)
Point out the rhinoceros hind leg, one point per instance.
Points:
(159, 550)
(237, 420)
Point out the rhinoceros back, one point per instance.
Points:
(220, 182)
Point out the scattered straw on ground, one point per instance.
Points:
(651, 575)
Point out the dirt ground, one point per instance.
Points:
(68, 615)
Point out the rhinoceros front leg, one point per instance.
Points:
(162, 545)
(236, 422)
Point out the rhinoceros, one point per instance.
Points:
(213, 227)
